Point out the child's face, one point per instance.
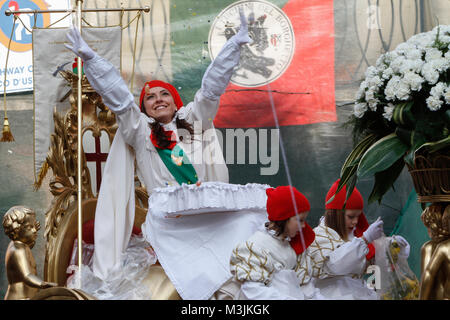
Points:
(351, 218)
(28, 230)
(292, 227)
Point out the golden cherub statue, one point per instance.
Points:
(435, 282)
(20, 225)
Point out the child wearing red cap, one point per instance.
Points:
(342, 247)
(273, 263)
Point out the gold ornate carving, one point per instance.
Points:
(21, 227)
(435, 263)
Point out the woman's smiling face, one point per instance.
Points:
(159, 104)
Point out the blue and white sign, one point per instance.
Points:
(18, 37)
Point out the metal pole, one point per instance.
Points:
(80, 126)
(9, 12)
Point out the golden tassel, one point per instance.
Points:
(41, 176)
(7, 135)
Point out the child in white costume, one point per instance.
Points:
(196, 265)
(342, 248)
(273, 263)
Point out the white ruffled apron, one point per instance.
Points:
(193, 230)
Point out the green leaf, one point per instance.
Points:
(350, 165)
(349, 189)
(357, 152)
(404, 135)
(381, 155)
(348, 174)
(417, 141)
(403, 114)
(385, 180)
(435, 146)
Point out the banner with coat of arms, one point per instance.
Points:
(288, 68)
(19, 72)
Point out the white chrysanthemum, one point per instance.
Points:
(403, 90)
(413, 80)
(411, 65)
(391, 88)
(370, 98)
(375, 82)
(359, 109)
(362, 90)
(421, 40)
(414, 54)
(441, 64)
(432, 54)
(438, 90)
(373, 104)
(447, 55)
(434, 103)
(404, 47)
(397, 64)
(430, 73)
(388, 111)
(387, 73)
(444, 38)
(390, 56)
(371, 72)
(381, 64)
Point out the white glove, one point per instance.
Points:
(78, 45)
(374, 231)
(404, 246)
(242, 36)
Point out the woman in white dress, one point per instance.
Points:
(273, 264)
(175, 148)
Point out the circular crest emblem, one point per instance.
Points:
(21, 39)
(269, 55)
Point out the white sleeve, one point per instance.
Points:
(249, 262)
(253, 290)
(303, 268)
(107, 82)
(214, 82)
(348, 258)
(202, 109)
(219, 72)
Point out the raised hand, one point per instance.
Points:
(404, 246)
(242, 36)
(78, 45)
(374, 231)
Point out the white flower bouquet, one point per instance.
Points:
(401, 106)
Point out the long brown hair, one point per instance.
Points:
(335, 219)
(162, 139)
(158, 130)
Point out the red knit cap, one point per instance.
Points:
(280, 205)
(158, 83)
(355, 201)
